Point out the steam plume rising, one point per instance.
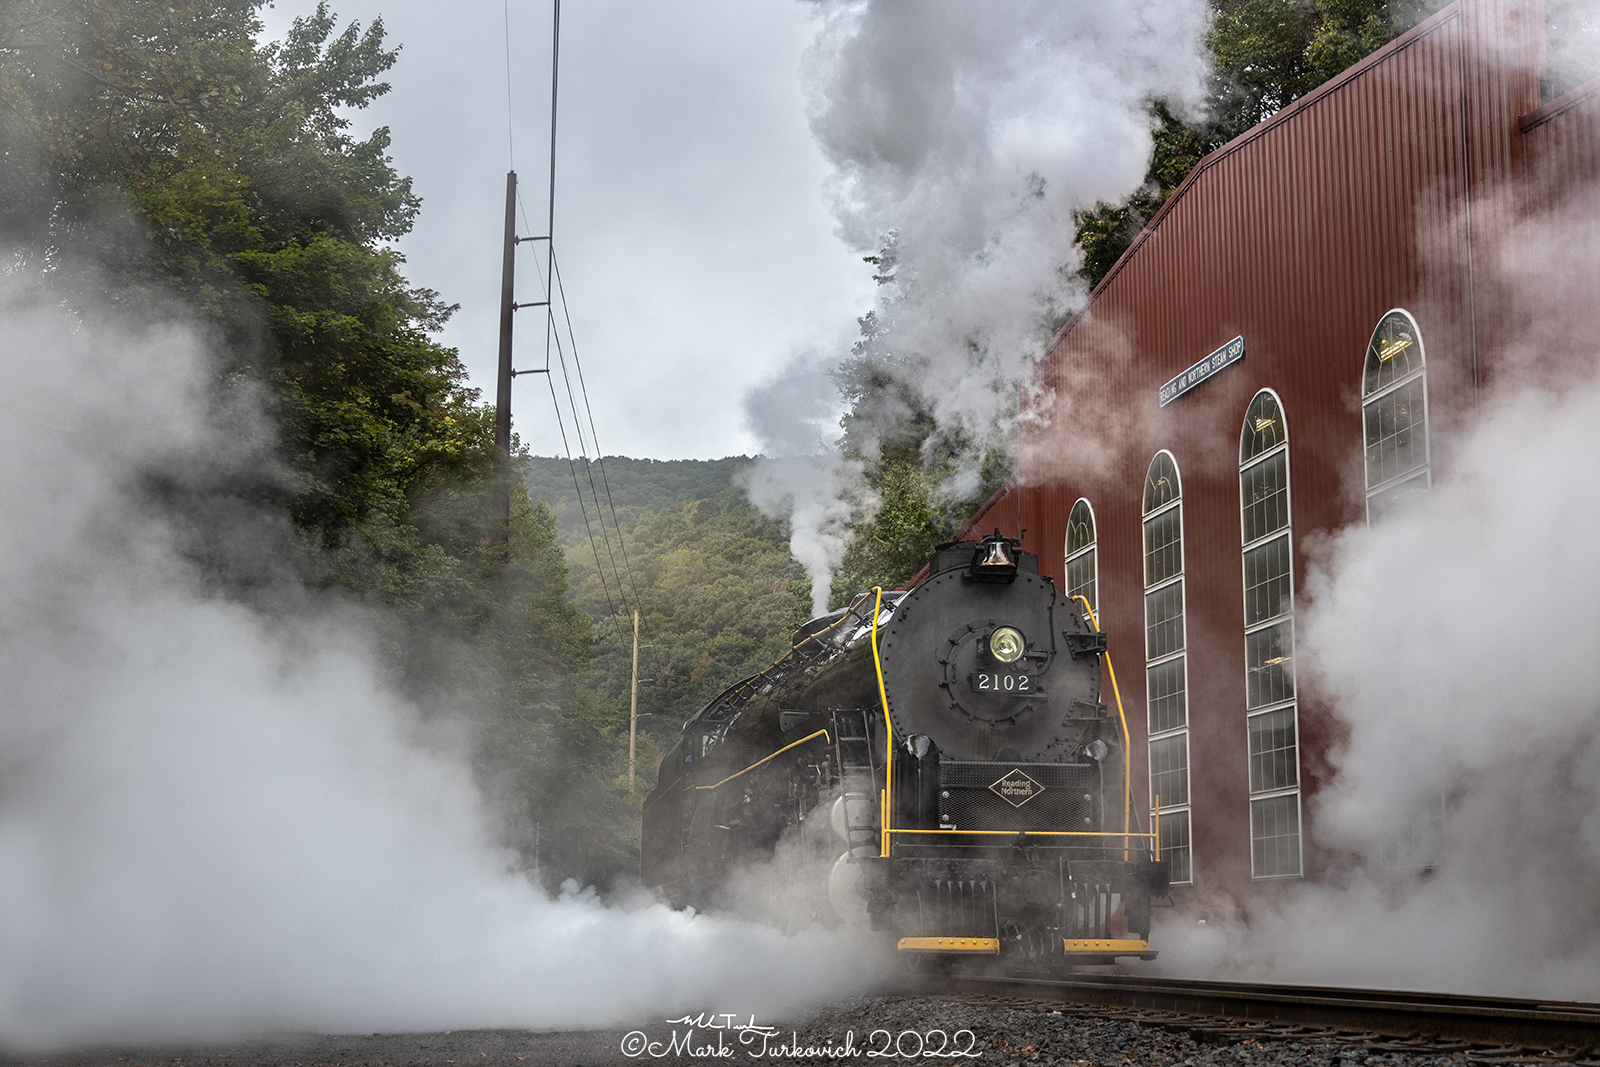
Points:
(214, 820)
(962, 140)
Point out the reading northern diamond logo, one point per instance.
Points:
(1017, 788)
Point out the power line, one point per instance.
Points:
(573, 467)
(594, 435)
(595, 494)
(511, 140)
(578, 429)
(611, 609)
(577, 489)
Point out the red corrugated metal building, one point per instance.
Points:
(1331, 264)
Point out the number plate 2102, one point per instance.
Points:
(1000, 682)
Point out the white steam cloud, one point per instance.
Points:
(215, 822)
(971, 135)
(799, 477)
(1456, 643)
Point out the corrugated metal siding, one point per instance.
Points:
(1371, 193)
(1562, 153)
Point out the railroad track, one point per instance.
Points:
(1488, 1029)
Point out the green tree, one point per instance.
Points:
(888, 550)
(165, 146)
(162, 144)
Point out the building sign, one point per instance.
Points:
(1226, 356)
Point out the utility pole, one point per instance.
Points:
(633, 714)
(502, 394)
(508, 299)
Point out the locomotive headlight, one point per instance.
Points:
(1006, 644)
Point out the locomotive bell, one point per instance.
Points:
(994, 561)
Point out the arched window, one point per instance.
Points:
(1394, 414)
(1166, 678)
(1083, 565)
(1270, 707)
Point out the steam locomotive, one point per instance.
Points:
(944, 752)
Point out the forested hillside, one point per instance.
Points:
(718, 592)
(159, 159)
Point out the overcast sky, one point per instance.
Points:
(697, 252)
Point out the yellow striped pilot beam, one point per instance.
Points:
(991, 945)
(1106, 947)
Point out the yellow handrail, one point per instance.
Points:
(1127, 740)
(888, 728)
(759, 762)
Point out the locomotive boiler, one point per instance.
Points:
(941, 759)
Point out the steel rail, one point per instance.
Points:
(1369, 1015)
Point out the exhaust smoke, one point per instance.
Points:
(218, 819)
(961, 142)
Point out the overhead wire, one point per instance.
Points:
(594, 434)
(578, 429)
(566, 447)
(589, 466)
(511, 137)
(551, 284)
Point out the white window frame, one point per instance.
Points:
(1367, 400)
(1093, 546)
(1287, 615)
(1182, 655)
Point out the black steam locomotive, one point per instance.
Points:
(945, 754)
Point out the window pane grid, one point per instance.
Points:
(1166, 680)
(1163, 546)
(1163, 621)
(1394, 353)
(1175, 844)
(1267, 581)
(1169, 769)
(1166, 696)
(1080, 527)
(1264, 494)
(1269, 665)
(1396, 433)
(1263, 428)
(1274, 751)
(1275, 836)
(1081, 577)
(1161, 484)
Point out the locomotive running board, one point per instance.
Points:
(1090, 946)
(990, 945)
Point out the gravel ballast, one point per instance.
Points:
(863, 1030)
